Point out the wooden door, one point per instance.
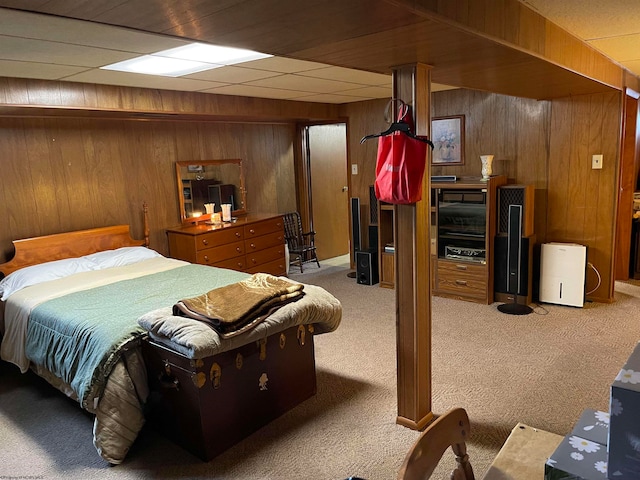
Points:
(327, 147)
(626, 187)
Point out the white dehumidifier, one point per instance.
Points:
(563, 269)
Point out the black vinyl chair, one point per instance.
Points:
(301, 244)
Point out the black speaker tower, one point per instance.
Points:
(514, 266)
(356, 231)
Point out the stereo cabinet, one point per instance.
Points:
(252, 244)
(463, 227)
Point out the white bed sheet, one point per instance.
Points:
(19, 305)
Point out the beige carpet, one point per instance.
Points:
(541, 369)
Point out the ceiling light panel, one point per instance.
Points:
(201, 52)
(164, 66)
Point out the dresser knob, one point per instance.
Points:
(238, 249)
(205, 242)
(238, 234)
(240, 265)
(252, 231)
(206, 258)
(252, 246)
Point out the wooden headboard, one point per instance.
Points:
(32, 251)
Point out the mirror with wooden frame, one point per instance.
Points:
(210, 181)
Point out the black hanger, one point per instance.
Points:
(398, 126)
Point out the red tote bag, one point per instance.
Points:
(400, 165)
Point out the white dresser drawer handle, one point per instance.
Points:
(461, 282)
(461, 267)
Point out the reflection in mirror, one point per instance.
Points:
(210, 181)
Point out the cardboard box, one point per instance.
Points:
(577, 458)
(624, 428)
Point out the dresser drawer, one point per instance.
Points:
(264, 256)
(275, 267)
(218, 254)
(468, 269)
(462, 279)
(265, 241)
(262, 228)
(219, 237)
(237, 263)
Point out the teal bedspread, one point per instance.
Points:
(79, 337)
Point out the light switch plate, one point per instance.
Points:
(596, 161)
(354, 169)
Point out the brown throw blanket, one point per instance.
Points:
(235, 308)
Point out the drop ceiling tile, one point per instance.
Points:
(296, 82)
(369, 92)
(331, 98)
(24, 49)
(283, 65)
(633, 66)
(108, 77)
(232, 74)
(623, 48)
(65, 30)
(43, 71)
(591, 19)
(349, 75)
(253, 91)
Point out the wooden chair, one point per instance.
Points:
(451, 429)
(301, 244)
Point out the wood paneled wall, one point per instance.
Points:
(62, 174)
(364, 118)
(582, 201)
(545, 143)
(514, 130)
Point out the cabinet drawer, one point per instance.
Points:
(463, 286)
(461, 279)
(219, 237)
(461, 268)
(264, 241)
(276, 267)
(237, 263)
(262, 228)
(264, 256)
(218, 254)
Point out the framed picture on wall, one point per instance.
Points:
(447, 134)
(195, 168)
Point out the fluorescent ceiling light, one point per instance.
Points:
(152, 65)
(192, 58)
(201, 52)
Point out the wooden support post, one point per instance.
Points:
(412, 84)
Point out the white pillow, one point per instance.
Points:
(121, 256)
(43, 272)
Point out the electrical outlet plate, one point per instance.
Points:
(596, 161)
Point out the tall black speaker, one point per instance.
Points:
(367, 267)
(514, 265)
(356, 239)
(373, 206)
(356, 232)
(524, 294)
(522, 195)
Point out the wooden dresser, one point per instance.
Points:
(252, 244)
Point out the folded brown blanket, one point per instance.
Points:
(237, 307)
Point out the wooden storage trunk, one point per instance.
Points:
(208, 405)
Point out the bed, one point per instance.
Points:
(77, 308)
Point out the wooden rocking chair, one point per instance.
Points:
(451, 429)
(301, 244)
